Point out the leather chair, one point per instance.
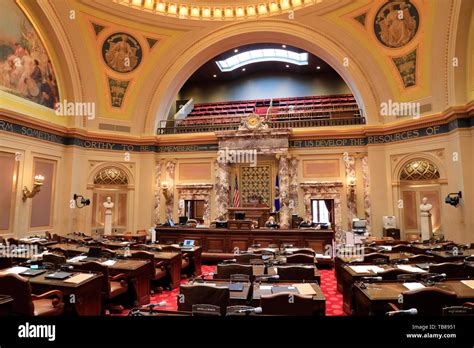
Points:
(452, 270)
(280, 304)
(300, 258)
(376, 258)
(191, 294)
(428, 301)
(245, 258)
(185, 257)
(296, 273)
(392, 274)
(112, 286)
(224, 271)
(421, 258)
(400, 248)
(158, 267)
(25, 303)
(55, 259)
(305, 251)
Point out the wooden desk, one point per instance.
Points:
(80, 299)
(70, 248)
(139, 273)
(319, 299)
(260, 214)
(444, 256)
(349, 276)
(375, 298)
(37, 241)
(195, 254)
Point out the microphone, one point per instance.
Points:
(371, 279)
(267, 277)
(200, 278)
(411, 311)
(256, 310)
(151, 306)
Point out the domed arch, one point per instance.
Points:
(426, 167)
(361, 76)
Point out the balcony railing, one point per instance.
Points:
(320, 118)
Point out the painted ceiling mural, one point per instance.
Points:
(25, 67)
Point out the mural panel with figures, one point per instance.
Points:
(25, 67)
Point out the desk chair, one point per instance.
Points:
(26, 303)
(202, 294)
(296, 273)
(376, 258)
(393, 274)
(185, 257)
(400, 248)
(421, 258)
(428, 301)
(225, 271)
(300, 258)
(112, 286)
(370, 250)
(55, 259)
(452, 270)
(245, 258)
(280, 304)
(158, 268)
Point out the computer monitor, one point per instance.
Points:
(239, 215)
(188, 243)
(183, 220)
(359, 224)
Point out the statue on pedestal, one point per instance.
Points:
(108, 205)
(426, 225)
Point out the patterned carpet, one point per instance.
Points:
(328, 285)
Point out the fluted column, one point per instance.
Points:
(283, 174)
(157, 201)
(222, 173)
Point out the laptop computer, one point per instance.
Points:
(188, 243)
(32, 272)
(59, 275)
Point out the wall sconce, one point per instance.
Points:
(39, 179)
(453, 198)
(83, 202)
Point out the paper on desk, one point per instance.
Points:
(265, 287)
(367, 269)
(413, 285)
(15, 270)
(79, 278)
(469, 283)
(410, 268)
(109, 263)
(321, 256)
(77, 258)
(305, 289)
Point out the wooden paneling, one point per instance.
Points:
(238, 244)
(316, 245)
(215, 245)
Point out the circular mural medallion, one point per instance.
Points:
(122, 52)
(396, 23)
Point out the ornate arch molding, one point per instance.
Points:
(398, 170)
(100, 167)
(279, 31)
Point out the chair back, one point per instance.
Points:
(376, 258)
(401, 248)
(421, 258)
(452, 270)
(305, 251)
(203, 294)
(19, 289)
(145, 255)
(97, 267)
(55, 259)
(280, 304)
(225, 271)
(393, 274)
(296, 273)
(245, 258)
(300, 258)
(429, 301)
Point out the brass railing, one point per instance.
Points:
(282, 120)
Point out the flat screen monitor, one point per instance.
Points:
(183, 220)
(239, 215)
(188, 243)
(359, 224)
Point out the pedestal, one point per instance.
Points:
(426, 226)
(108, 224)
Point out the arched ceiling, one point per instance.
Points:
(170, 49)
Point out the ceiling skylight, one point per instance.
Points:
(262, 55)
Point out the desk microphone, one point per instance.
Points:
(267, 277)
(256, 310)
(200, 278)
(151, 306)
(411, 311)
(371, 279)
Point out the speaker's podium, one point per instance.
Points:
(260, 214)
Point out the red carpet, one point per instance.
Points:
(328, 285)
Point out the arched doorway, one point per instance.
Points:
(419, 178)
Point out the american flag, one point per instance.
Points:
(236, 193)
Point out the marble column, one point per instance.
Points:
(157, 201)
(293, 185)
(283, 173)
(169, 197)
(222, 173)
(349, 164)
(366, 183)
